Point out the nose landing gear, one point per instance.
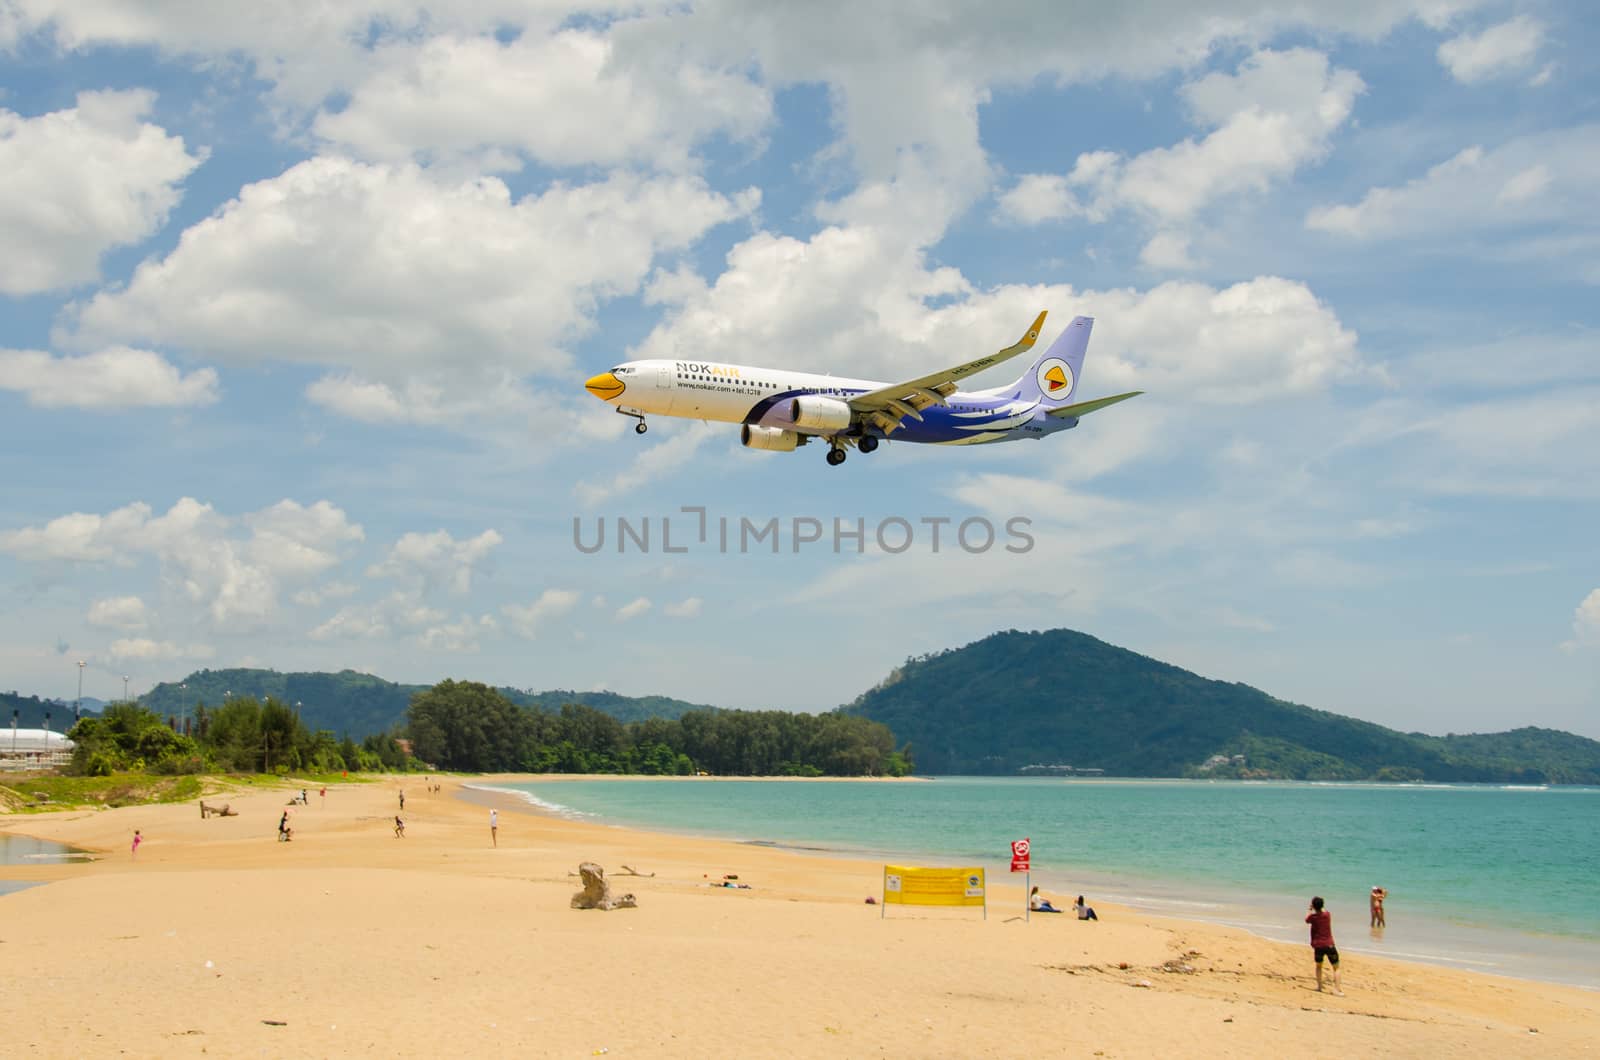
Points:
(638, 428)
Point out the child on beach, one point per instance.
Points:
(399, 827)
(137, 839)
(1321, 922)
(494, 827)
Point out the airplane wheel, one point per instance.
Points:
(835, 457)
(640, 428)
(868, 444)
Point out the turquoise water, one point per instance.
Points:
(1497, 878)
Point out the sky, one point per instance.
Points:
(297, 301)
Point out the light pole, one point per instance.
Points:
(14, 732)
(79, 706)
(183, 708)
(124, 688)
(46, 737)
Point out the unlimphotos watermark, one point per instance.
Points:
(695, 530)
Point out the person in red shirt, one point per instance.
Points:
(1321, 922)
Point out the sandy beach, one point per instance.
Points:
(219, 940)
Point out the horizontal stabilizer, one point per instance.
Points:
(1083, 408)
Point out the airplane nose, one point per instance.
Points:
(604, 386)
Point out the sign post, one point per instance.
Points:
(1019, 863)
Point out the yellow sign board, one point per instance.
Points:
(905, 885)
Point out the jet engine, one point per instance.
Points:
(772, 439)
(819, 414)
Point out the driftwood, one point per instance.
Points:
(629, 870)
(225, 810)
(596, 893)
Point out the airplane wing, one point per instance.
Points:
(887, 406)
(1083, 408)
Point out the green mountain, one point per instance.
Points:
(29, 711)
(361, 704)
(1061, 698)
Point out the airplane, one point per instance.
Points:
(780, 409)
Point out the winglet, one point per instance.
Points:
(1031, 337)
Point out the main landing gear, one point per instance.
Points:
(837, 450)
(638, 428)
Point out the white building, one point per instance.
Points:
(33, 749)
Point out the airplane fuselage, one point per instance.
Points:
(765, 397)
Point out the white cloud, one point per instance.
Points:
(564, 100)
(672, 452)
(454, 285)
(1545, 179)
(552, 603)
(437, 561)
(401, 613)
(114, 378)
(1586, 623)
(231, 568)
(1038, 197)
(322, 593)
(1501, 49)
(118, 612)
(75, 183)
(633, 608)
(458, 637)
(1167, 250)
(1276, 114)
(853, 300)
(688, 608)
(147, 650)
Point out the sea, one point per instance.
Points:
(1502, 879)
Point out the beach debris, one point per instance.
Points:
(629, 870)
(596, 893)
(276, 1023)
(1178, 967)
(212, 810)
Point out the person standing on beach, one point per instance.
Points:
(399, 827)
(494, 827)
(1321, 922)
(137, 839)
(402, 800)
(1378, 895)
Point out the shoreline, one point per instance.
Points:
(1523, 956)
(217, 938)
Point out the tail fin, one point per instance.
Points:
(1056, 375)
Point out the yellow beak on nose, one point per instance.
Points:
(604, 386)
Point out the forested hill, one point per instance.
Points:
(1062, 698)
(360, 704)
(30, 711)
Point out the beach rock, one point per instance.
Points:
(596, 893)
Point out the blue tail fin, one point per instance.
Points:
(1058, 373)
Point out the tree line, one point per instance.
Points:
(470, 727)
(243, 735)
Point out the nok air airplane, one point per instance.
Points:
(780, 409)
